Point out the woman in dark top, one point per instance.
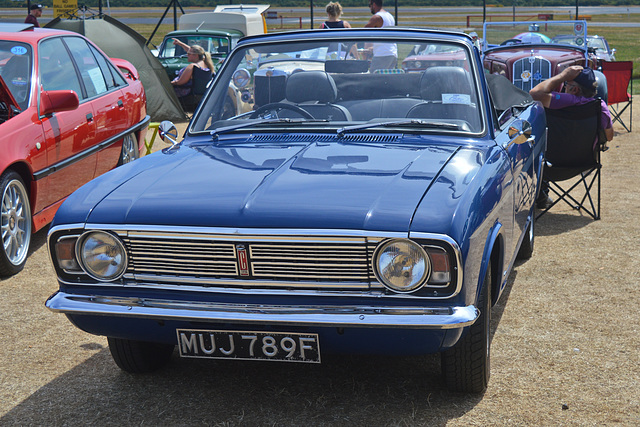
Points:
(334, 11)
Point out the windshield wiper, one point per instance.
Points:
(418, 122)
(219, 131)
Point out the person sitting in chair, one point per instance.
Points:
(197, 58)
(579, 88)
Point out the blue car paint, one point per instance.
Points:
(462, 187)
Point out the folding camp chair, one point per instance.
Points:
(201, 80)
(620, 89)
(574, 142)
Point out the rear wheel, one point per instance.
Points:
(466, 366)
(16, 224)
(139, 357)
(130, 150)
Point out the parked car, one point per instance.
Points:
(425, 56)
(524, 52)
(346, 212)
(67, 114)
(217, 32)
(597, 46)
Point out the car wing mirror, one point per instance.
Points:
(520, 132)
(53, 101)
(167, 130)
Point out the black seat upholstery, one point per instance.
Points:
(200, 82)
(315, 91)
(574, 142)
(438, 86)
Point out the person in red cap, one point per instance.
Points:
(579, 88)
(35, 12)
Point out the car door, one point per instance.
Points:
(102, 86)
(517, 140)
(69, 135)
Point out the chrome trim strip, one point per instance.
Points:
(456, 250)
(90, 151)
(246, 234)
(311, 315)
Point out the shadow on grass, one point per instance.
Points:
(354, 390)
(38, 240)
(553, 224)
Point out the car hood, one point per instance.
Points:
(311, 185)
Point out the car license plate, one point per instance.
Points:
(249, 345)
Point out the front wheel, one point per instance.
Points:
(139, 357)
(466, 366)
(16, 224)
(130, 150)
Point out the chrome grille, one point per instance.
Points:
(274, 261)
(529, 71)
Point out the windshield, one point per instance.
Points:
(216, 46)
(15, 68)
(341, 84)
(522, 33)
(597, 43)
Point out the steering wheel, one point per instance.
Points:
(510, 42)
(278, 106)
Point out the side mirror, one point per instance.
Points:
(53, 101)
(169, 131)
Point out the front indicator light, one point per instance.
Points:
(65, 254)
(102, 255)
(402, 265)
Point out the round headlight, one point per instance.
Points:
(402, 265)
(102, 255)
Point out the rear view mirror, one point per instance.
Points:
(54, 101)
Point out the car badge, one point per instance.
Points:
(243, 261)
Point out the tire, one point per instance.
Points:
(526, 247)
(16, 224)
(466, 366)
(139, 357)
(130, 150)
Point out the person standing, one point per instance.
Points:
(384, 55)
(334, 12)
(35, 12)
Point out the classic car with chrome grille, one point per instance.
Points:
(349, 210)
(530, 52)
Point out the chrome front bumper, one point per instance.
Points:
(307, 315)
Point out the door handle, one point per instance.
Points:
(89, 117)
(120, 103)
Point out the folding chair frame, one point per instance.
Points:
(616, 112)
(562, 172)
(588, 179)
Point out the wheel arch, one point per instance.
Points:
(25, 173)
(493, 258)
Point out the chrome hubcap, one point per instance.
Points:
(128, 149)
(16, 222)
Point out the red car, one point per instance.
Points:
(526, 52)
(68, 113)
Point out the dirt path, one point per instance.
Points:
(566, 348)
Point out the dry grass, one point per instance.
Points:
(565, 348)
(566, 336)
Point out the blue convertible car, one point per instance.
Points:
(316, 205)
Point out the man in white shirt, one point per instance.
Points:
(385, 55)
